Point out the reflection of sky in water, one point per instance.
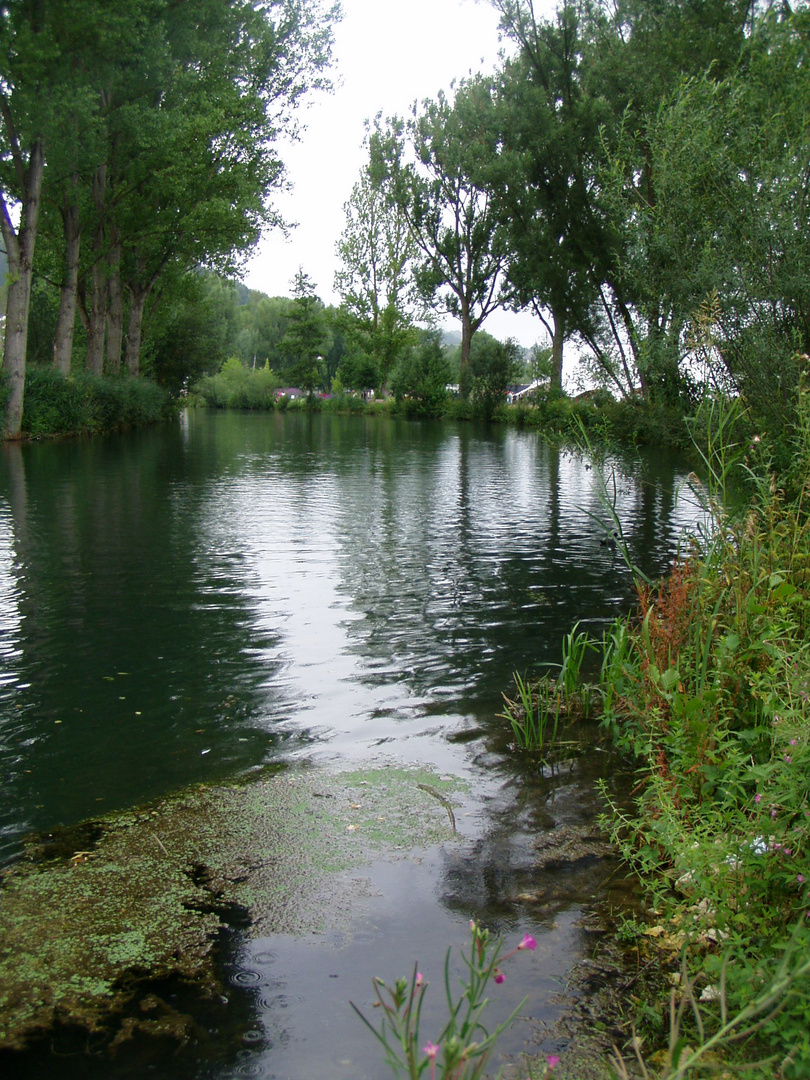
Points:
(196, 600)
(190, 602)
(10, 618)
(411, 575)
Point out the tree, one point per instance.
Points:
(585, 89)
(493, 366)
(306, 339)
(422, 373)
(431, 162)
(723, 248)
(549, 130)
(639, 58)
(160, 125)
(375, 282)
(32, 76)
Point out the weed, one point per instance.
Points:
(464, 1045)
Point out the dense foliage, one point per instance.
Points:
(138, 143)
(635, 173)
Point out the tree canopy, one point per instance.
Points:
(139, 140)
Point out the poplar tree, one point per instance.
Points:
(432, 161)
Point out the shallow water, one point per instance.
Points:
(191, 602)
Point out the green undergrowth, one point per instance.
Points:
(707, 690)
(84, 404)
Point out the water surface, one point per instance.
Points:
(190, 602)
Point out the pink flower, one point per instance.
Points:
(792, 742)
(431, 1049)
(757, 798)
(528, 943)
(552, 1060)
(787, 758)
(773, 813)
(800, 878)
(499, 976)
(419, 980)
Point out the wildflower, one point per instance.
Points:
(800, 878)
(431, 1049)
(528, 943)
(793, 742)
(757, 798)
(499, 976)
(787, 851)
(552, 1060)
(787, 758)
(419, 980)
(773, 812)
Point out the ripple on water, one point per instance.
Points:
(252, 1066)
(246, 977)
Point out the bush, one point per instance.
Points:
(89, 404)
(238, 387)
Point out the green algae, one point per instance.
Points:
(147, 894)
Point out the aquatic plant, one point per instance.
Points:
(534, 714)
(576, 644)
(464, 1045)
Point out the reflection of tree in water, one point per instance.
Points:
(475, 555)
(540, 850)
(131, 658)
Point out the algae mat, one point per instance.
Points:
(92, 916)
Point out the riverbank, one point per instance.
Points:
(629, 423)
(82, 404)
(707, 689)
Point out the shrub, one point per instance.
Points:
(88, 404)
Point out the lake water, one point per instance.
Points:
(191, 602)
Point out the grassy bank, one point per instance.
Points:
(84, 404)
(707, 690)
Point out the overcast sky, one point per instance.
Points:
(389, 53)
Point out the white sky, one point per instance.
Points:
(389, 53)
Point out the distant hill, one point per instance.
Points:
(451, 337)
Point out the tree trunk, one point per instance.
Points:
(97, 314)
(137, 302)
(66, 321)
(467, 331)
(20, 252)
(557, 341)
(115, 313)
